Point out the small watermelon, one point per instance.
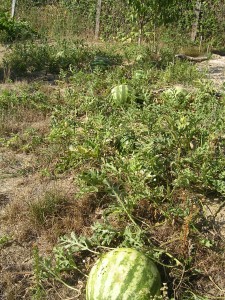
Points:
(123, 274)
(120, 94)
(177, 90)
(139, 74)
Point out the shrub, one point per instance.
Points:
(12, 30)
(40, 56)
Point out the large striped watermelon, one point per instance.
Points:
(101, 62)
(120, 93)
(123, 274)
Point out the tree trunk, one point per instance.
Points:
(13, 8)
(140, 33)
(197, 11)
(97, 20)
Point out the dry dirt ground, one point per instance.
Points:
(215, 70)
(19, 183)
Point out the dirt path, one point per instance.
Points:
(215, 70)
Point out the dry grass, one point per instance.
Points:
(28, 223)
(23, 222)
(35, 210)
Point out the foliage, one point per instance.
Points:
(46, 207)
(4, 240)
(154, 150)
(31, 98)
(11, 30)
(35, 57)
(124, 19)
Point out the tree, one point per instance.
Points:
(13, 8)
(142, 11)
(97, 20)
(195, 23)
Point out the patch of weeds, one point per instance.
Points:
(39, 276)
(43, 210)
(4, 240)
(31, 57)
(27, 141)
(180, 72)
(29, 98)
(53, 268)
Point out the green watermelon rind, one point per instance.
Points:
(139, 74)
(175, 91)
(101, 62)
(120, 93)
(123, 274)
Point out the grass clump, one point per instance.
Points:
(28, 97)
(4, 240)
(46, 208)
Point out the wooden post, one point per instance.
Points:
(98, 14)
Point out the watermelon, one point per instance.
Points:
(177, 90)
(120, 94)
(139, 74)
(123, 274)
(101, 62)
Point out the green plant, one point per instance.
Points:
(29, 98)
(39, 56)
(11, 30)
(28, 141)
(180, 72)
(4, 239)
(39, 275)
(43, 209)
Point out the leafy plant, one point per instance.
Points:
(42, 210)
(11, 30)
(30, 98)
(39, 56)
(27, 142)
(4, 239)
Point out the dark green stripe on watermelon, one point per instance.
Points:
(130, 275)
(101, 62)
(110, 268)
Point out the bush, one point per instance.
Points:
(40, 56)
(12, 30)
